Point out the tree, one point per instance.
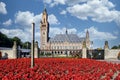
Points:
(26, 45)
(18, 41)
(5, 41)
(119, 46)
(115, 47)
(8, 42)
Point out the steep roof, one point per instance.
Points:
(72, 38)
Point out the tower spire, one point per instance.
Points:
(87, 34)
(45, 9)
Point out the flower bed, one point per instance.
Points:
(58, 69)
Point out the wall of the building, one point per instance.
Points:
(111, 53)
(65, 45)
(9, 54)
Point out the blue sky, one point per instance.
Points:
(100, 17)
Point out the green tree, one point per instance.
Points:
(26, 45)
(5, 41)
(119, 46)
(115, 47)
(18, 41)
(8, 42)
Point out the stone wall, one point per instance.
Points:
(111, 53)
(36, 49)
(9, 53)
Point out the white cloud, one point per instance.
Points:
(80, 11)
(26, 18)
(100, 11)
(24, 35)
(63, 12)
(95, 34)
(56, 30)
(52, 19)
(96, 10)
(3, 8)
(116, 32)
(117, 20)
(7, 23)
(73, 2)
(98, 35)
(47, 1)
(54, 2)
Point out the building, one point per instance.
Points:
(60, 43)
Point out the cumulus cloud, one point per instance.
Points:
(95, 34)
(96, 10)
(7, 23)
(54, 2)
(3, 8)
(26, 18)
(23, 21)
(63, 12)
(99, 11)
(47, 1)
(52, 19)
(24, 35)
(56, 30)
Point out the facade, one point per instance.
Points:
(60, 42)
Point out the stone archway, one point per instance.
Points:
(118, 56)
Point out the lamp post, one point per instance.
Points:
(32, 49)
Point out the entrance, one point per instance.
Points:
(95, 54)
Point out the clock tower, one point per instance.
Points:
(44, 30)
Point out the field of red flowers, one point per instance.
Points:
(58, 69)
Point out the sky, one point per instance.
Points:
(100, 17)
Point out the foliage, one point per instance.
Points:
(18, 40)
(116, 47)
(26, 45)
(5, 41)
(8, 42)
(58, 69)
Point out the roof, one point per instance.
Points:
(25, 50)
(5, 48)
(72, 38)
(22, 50)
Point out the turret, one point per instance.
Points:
(87, 40)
